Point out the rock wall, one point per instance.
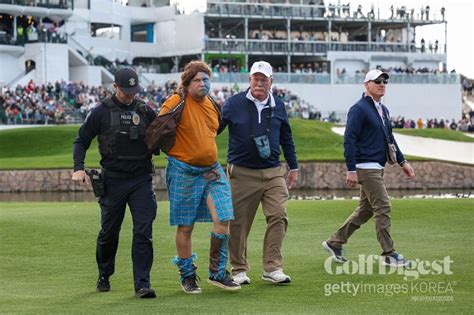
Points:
(323, 175)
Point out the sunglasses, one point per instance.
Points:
(380, 81)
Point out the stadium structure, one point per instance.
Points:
(319, 51)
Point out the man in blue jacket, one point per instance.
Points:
(366, 139)
(258, 126)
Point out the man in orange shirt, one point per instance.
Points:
(198, 188)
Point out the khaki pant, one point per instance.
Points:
(374, 202)
(250, 187)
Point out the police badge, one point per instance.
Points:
(136, 119)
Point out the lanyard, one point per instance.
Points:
(268, 119)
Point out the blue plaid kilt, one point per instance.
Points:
(188, 188)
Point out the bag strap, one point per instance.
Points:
(182, 102)
(217, 107)
(268, 127)
(389, 125)
(387, 138)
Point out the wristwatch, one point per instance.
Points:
(403, 163)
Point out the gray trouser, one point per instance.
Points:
(374, 202)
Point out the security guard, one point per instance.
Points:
(120, 122)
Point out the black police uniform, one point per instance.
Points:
(126, 166)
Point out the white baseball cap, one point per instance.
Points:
(374, 74)
(262, 67)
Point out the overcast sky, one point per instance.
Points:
(459, 14)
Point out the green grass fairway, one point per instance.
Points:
(47, 263)
(441, 134)
(51, 148)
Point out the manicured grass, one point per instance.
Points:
(315, 141)
(442, 134)
(41, 148)
(47, 263)
(50, 148)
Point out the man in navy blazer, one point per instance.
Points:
(366, 139)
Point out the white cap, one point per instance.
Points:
(374, 74)
(261, 67)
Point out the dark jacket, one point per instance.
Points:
(98, 123)
(364, 138)
(242, 149)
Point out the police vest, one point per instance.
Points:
(124, 139)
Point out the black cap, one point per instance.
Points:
(127, 81)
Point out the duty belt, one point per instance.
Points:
(123, 175)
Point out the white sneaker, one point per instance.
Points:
(276, 276)
(241, 278)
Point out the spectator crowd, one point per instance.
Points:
(465, 124)
(393, 70)
(70, 102)
(466, 86)
(33, 104)
(31, 31)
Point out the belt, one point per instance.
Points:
(122, 175)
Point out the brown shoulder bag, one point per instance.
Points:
(161, 133)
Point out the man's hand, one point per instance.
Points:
(292, 178)
(408, 170)
(351, 179)
(80, 177)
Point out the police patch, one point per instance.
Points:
(136, 119)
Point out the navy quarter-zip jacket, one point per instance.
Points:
(241, 148)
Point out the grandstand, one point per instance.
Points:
(319, 51)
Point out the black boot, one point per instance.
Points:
(218, 275)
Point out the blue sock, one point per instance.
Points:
(185, 265)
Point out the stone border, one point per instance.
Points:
(312, 175)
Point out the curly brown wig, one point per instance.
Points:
(190, 71)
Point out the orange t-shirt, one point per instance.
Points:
(196, 135)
